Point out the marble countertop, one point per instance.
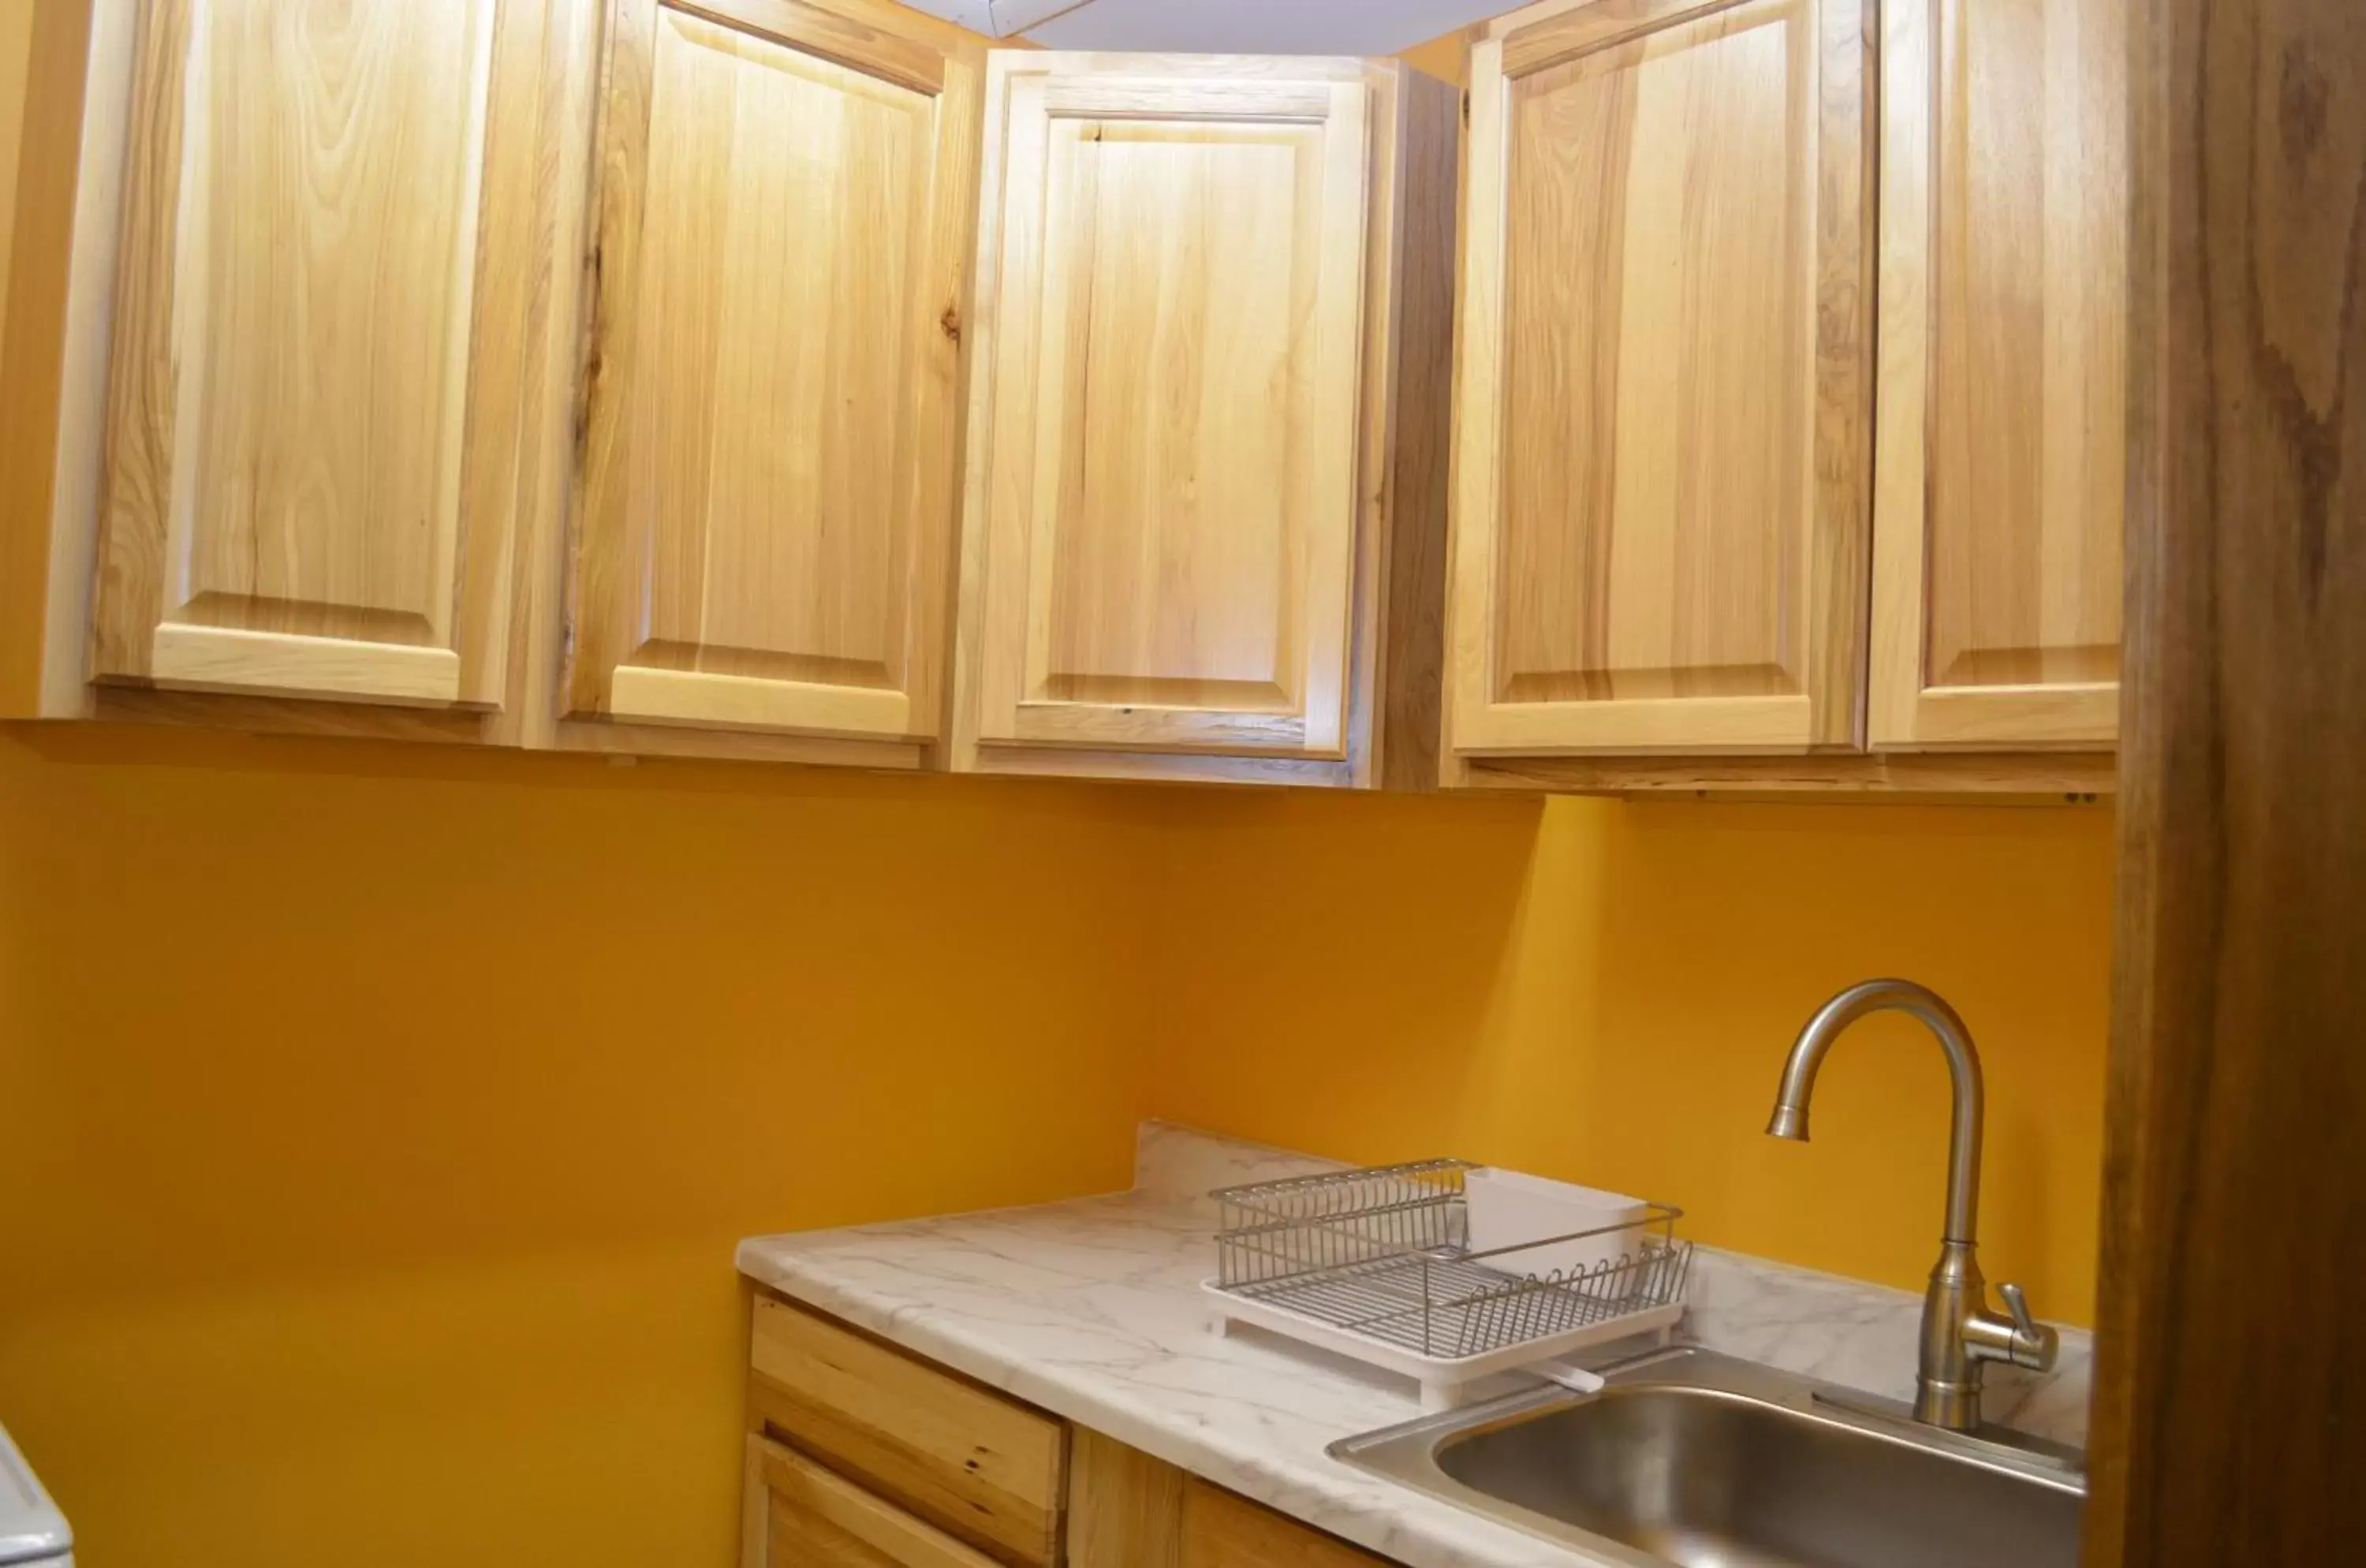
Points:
(1092, 1310)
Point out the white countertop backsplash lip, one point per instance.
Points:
(1091, 1309)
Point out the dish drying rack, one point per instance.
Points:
(1376, 1264)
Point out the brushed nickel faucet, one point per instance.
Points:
(1959, 1332)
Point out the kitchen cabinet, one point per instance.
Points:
(1129, 1510)
(1673, 566)
(803, 1516)
(2004, 435)
(764, 520)
(1203, 509)
(1664, 409)
(333, 235)
(963, 1459)
(861, 1455)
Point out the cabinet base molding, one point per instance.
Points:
(1923, 775)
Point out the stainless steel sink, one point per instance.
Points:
(1693, 1458)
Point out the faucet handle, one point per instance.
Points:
(2034, 1346)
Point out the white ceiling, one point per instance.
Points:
(1221, 27)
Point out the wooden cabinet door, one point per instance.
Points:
(1221, 1531)
(308, 440)
(2003, 443)
(1162, 521)
(801, 1515)
(1664, 403)
(766, 506)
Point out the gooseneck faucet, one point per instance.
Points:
(1959, 1332)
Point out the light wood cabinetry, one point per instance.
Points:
(763, 527)
(328, 250)
(861, 1456)
(1207, 392)
(1129, 1510)
(800, 1515)
(2003, 454)
(1701, 539)
(983, 1468)
(1664, 399)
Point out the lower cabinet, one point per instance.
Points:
(800, 1515)
(861, 1456)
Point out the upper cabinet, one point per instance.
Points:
(1205, 478)
(310, 436)
(2004, 291)
(1665, 391)
(763, 531)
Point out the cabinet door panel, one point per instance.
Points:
(2004, 412)
(769, 475)
(296, 313)
(1659, 523)
(801, 1515)
(1169, 544)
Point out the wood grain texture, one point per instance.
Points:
(1125, 1508)
(766, 508)
(1221, 1531)
(1180, 498)
(970, 1461)
(1664, 442)
(44, 71)
(2226, 1417)
(801, 1515)
(326, 257)
(1172, 512)
(1410, 651)
(1928, 776)
(2002, 395)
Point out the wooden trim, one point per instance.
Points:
(1417, 429)
(817, 29)
(2229, 1384)
(2030, 774)
(279, 664)
(1546, 41)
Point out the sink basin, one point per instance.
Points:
(1701, 1460)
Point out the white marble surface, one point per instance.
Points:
(1092, 1310)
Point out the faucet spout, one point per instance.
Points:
(1815, 1042)
(1959, 1332)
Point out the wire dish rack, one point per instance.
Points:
(1377, 1264)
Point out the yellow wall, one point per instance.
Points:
(380, 1119)
(1604, 993)
(376, 1123)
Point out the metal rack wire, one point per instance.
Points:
(1383, 1254)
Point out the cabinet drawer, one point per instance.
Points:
(801, 1515)
(990, 1471)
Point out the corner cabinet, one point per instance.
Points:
(2005, 295)
(764, 520)
(327, 258)
(1205, 478)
